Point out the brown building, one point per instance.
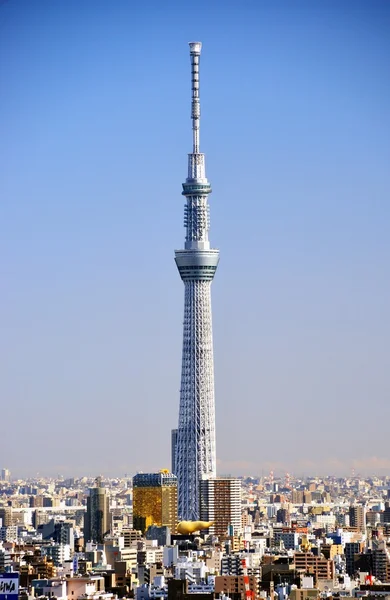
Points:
(308, 564)
(233, 585)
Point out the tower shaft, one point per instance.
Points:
(195, 457)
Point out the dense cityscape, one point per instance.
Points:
(117, 537)
(185, 530)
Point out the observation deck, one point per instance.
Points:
(197, 265)
(193, 188)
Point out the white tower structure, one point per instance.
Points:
(197, 263)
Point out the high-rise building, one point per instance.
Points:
(197, 263)
(351, 551)
(5, 475)
(97, 517)
(357, 517)
(220, 501)
(155, 500)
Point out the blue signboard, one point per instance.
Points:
(9, 586)
(75, 564)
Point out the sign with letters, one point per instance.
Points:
(9, 586)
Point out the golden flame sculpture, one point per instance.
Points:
(186, 527)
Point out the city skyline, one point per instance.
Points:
(108, 539)
(296, 127)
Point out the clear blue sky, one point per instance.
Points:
(95, 129)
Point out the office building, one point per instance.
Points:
(197, 263)
(155, 500)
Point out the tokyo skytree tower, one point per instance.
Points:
(195, 444)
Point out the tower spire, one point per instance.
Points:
(195, 50)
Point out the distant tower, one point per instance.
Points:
(97, 517)
(155, 500)
(195, 446)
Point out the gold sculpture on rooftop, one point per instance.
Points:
(187, 527)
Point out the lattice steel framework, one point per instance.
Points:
(195, 444)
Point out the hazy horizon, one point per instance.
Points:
(95, 130)
(380, 472)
